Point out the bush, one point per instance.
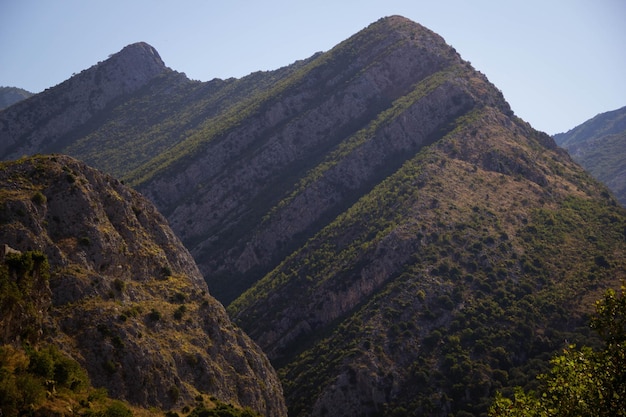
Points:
(174, 393)
(118, 409)
(178, 314)
(26, 375)
(119, 285)
(39, 198)
(154, 315)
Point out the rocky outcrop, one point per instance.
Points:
(71, 104)
(125, 297)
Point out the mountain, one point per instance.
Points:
(599, 145)
(40, 124)
(11, 95)
(375, 217)
(124, 298)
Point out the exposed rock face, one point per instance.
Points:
(72, 103)
(126, 298)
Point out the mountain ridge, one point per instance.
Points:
(68, 105)
(598, 145)
(12, 95)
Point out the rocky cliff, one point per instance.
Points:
(125, 298)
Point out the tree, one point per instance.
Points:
(582, 382)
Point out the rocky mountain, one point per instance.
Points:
(124, 298)
(599, 145)
(41, 123)
(375, 217)
(11, 95)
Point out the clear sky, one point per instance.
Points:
(558, 62)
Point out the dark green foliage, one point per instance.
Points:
(174, 393)
(23, 291)
(39, 198)
(178, 314)
(581, 382)
(116, 409)
(166, 272)
(109, 366)
(155, 315)
(27, 374)
(119, 285)
(222, 410)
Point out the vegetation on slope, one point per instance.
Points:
(584, 381)
(456, 277)
(155, 121)
(599, 146)
(11, 95)
(121, 295)
(34, 375)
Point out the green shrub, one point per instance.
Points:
(174, 393)
(41, 364)
(154, 315)
(178, 314)
(118, 409)
(119, 285)
(39, 198)
(109, 366)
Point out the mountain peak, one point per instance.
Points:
(140, 53)
(70, 104)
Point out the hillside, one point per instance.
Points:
(42, 123)
(599, 145)
(376, 217)
(123, 298)
(11, 95)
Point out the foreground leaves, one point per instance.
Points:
(581, 382)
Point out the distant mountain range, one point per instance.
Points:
(375, 217)
(11, 95)
(599, 145)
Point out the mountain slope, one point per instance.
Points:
(124, 297)
(599, 145)
(394, 78)
(122, 112)
(11, 95)
(40, 123)
(477, 257)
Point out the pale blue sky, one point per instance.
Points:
(558, 62)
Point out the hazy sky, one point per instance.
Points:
(558, 62)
